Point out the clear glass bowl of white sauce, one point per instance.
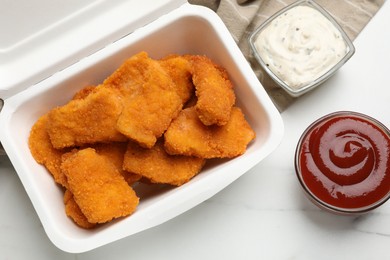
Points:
(301, 46)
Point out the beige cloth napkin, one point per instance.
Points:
(241, 17)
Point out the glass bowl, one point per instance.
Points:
(298, 53)
(342, 161)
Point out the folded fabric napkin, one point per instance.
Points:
(241, 17)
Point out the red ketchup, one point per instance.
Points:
(343, 162)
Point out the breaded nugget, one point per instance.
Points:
(130, 76)
(98, 187)
(159, 167)
(187, 135)
(86, 121)
(214, 91)
(73, 211)
(115, 152)
(43, 151)
(179, 69)
(150, 108)
(84, 92)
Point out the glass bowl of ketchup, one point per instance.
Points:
(342, 161)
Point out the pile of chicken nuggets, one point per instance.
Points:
(151, 121)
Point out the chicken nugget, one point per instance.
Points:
(187, 135)
(179, 69)
(130, 76)
(43, 151)
(98, 187)
(149, 108)
(86, 121)
(159, 167)
(73, 211)
(115, 152)
(84, 92)
(214, 91)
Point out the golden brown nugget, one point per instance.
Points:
(98, 187)
(131, 75)
(43, 151)
(84, 92)
(148, 112)
(86, 121)
(73, 211)
(187, 135)
(146, 117)
(159, 167)
(115, 152)
(179, 69)
(214, 91)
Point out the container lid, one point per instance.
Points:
(42, 37)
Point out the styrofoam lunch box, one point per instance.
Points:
(44, 69)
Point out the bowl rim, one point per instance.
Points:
(301, 90)
(308, 192)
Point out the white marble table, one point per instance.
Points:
(264, 214)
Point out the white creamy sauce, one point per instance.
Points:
(300, 45)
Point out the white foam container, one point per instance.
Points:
(177, 27)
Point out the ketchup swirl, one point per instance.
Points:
(344, 160)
